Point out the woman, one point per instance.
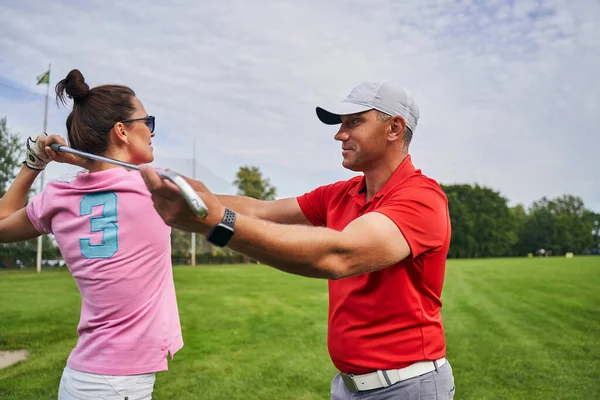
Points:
(114, 243)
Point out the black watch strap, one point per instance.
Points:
(228, 218)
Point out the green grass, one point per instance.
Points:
(516, 329)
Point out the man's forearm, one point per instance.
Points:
(241, 204)
(16, 196)
(302, 250)
(291, 247)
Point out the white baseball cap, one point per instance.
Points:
(382, 96)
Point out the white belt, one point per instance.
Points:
(382, 379)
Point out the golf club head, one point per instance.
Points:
(189, 194)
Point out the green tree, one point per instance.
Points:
(595, 217)
(483, 225)
(463, 241)
(10, 154)
(251, 183)
(559, 225)
(519, 217)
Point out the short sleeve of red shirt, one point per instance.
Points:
(313, 206)
(38, 212)
(420, 212)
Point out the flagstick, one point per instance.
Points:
(193, 244)
(39, 243)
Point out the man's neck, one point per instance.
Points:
(377, 177)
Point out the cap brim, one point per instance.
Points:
(332, 116)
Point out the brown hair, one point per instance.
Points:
(95, 111)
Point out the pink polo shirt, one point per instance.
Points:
(118, 250)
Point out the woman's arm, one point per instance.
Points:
(16, 196)
(17, 227)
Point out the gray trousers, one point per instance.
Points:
(430, 386)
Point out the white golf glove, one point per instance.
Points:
(36, 157)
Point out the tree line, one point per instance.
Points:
(483, 223)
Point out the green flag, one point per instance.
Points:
(44, 78)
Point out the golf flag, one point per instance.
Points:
(44, 78)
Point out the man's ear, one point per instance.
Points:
(397, 127)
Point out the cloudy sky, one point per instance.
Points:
(508, 90)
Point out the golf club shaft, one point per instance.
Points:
(65, 149)
(189, 194)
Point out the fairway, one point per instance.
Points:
(516, 329)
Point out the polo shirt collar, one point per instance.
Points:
(403, 171)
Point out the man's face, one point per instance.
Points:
(364, 140)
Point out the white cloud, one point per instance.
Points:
(507, 90)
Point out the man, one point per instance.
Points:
(381, 239)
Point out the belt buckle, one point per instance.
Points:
(349, 382)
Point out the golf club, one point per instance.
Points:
(189, 194)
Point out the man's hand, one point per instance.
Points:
(35, 156)
(59, 156)
(173, 208)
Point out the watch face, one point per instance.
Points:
(221, 235)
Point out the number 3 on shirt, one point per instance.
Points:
(106, 223)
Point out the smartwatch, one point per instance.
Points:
(221, 233)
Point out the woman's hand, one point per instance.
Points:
(59, 156)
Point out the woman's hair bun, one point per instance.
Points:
(74, 86)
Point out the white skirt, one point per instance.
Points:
(78, 385)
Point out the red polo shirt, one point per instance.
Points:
(388, 318)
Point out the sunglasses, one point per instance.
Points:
(149, 121)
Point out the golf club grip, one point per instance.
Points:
(55, 146)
